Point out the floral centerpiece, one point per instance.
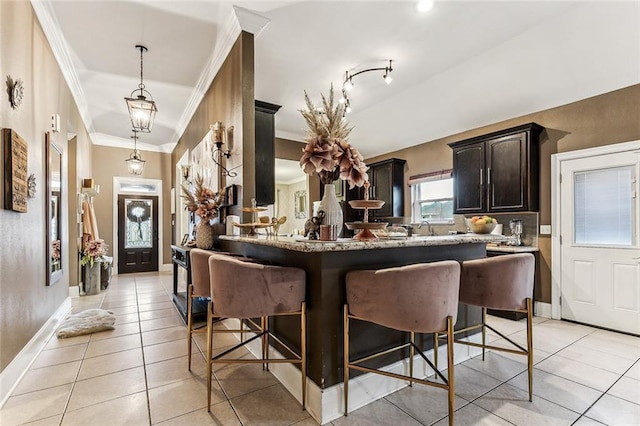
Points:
(327, 151)
(94, 251)
(328, 154)
(204, 203)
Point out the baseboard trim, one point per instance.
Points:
(326, 405)
(166, 267)
(17, 368)
(542, 309)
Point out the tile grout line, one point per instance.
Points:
(75, 380)
(144, 361)
(605, 393)
(511, 378)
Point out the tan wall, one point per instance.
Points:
(110, 162)
(602, 120)
(230, 100)
(25, 301)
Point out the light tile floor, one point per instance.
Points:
(137, 375)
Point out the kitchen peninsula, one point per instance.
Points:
(326, 264)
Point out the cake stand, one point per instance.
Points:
(365, 226)
(255, 223)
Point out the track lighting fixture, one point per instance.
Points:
(347, 85)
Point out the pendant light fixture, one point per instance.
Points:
(141, 110)
(135, 163)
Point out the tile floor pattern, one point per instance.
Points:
(137, 375)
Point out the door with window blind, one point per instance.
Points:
(137, 233)
(600, 250)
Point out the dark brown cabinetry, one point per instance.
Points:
(497, 172)
(387, 184)
(265, 152)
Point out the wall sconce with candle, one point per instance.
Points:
(219, 134)
(186, 172)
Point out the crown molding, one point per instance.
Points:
(250, 21)
(296, 137)
(51, 28)
(103, 139)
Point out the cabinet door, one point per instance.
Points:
(468, 170)
(381, 177)
(265, 183)
(507, 173)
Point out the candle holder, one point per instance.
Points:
(219, 134)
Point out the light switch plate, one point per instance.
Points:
(545, 229)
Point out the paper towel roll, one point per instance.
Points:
(233, 230)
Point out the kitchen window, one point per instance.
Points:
(432, 197)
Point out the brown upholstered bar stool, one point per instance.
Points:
(421, 298)
(199, 287)
(502, 283)
(245, 290)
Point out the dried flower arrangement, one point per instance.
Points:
(94, 251)
(327, 151)
(202, 201)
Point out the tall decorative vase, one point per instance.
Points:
(92, 278)
(332, 208)
(204, 235)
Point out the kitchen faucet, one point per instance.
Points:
(429, 229)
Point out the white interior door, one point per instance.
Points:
(599, 247)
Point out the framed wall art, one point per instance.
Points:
(231, 195)
(15, 173)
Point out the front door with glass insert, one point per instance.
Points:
(600, 245)
(137, 233)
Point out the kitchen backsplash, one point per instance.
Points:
(530, 225)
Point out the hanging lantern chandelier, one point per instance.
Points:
(135, 163)
(142, 111)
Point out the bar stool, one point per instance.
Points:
(502, 283)
(420, 298)
(246, 290)
(199, 288)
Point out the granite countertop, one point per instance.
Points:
(343, 244)
(511, 249)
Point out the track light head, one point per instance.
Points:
(348, 85)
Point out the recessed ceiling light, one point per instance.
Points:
(425, 5)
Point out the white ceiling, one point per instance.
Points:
(463, 65)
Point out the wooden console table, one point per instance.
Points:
(180, 258)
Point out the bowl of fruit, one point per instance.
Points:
(482, 224)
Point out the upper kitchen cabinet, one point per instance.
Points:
(387, 184)
(265, 152)
(497, 172)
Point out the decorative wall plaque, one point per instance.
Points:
(15, 89)
(31, 186)
(15, 174)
